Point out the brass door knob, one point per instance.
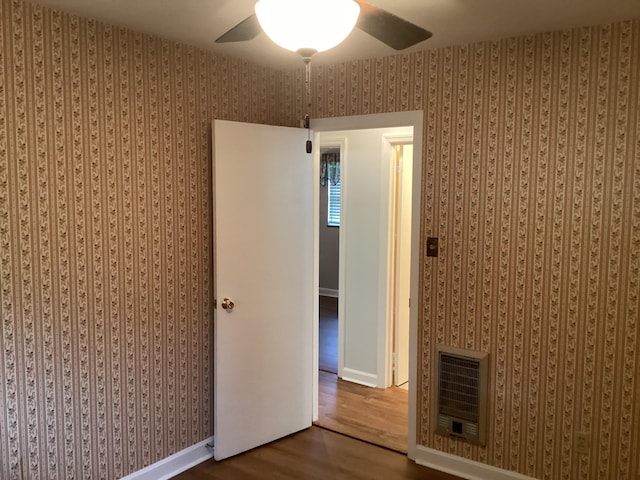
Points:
(227, 304)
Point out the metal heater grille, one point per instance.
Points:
(459, 386)
(461, 393)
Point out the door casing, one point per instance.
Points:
(383, 120)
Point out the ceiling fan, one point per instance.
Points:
(311, 26)
(390, 29)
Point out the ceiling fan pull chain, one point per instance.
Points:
(307, 117)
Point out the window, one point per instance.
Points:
(330, 178)
(333, 216)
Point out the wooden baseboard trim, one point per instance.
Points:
(362, 378)
(328, 292)
(462, 467)
(177, 463)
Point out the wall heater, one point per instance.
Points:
(462, 393)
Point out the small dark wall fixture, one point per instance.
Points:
(432, 246)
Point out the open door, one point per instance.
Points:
(402, 268)
(264, 284)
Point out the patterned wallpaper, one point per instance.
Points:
(105, 241)
(532, 183)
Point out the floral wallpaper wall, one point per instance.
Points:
(105, 241)
(532, 183)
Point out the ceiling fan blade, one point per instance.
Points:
(389, 28)
(247, 29)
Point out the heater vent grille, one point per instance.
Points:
(462, 390)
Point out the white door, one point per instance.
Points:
(403, 263)
(263, 262)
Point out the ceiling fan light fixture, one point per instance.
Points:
(308, 25)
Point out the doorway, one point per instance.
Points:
(367, 258)
(371, 348)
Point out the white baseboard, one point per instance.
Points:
(356, 376)
(328, 292)
(462, 467)
(177, 463)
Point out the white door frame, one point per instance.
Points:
(383, 120)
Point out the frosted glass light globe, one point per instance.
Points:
(307, 24)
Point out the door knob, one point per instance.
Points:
(227, 304)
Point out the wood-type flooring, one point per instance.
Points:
(328, 337)
(375, 415)
(315, 454)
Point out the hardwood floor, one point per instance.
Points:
(375, 415)
(328, 337)
(315, 454)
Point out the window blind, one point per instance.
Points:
(333, 217)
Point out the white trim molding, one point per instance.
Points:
(462, 467)
(362, 378)
(177, 463)
(382, 120)
(329, 292)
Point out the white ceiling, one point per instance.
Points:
(453, 22)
